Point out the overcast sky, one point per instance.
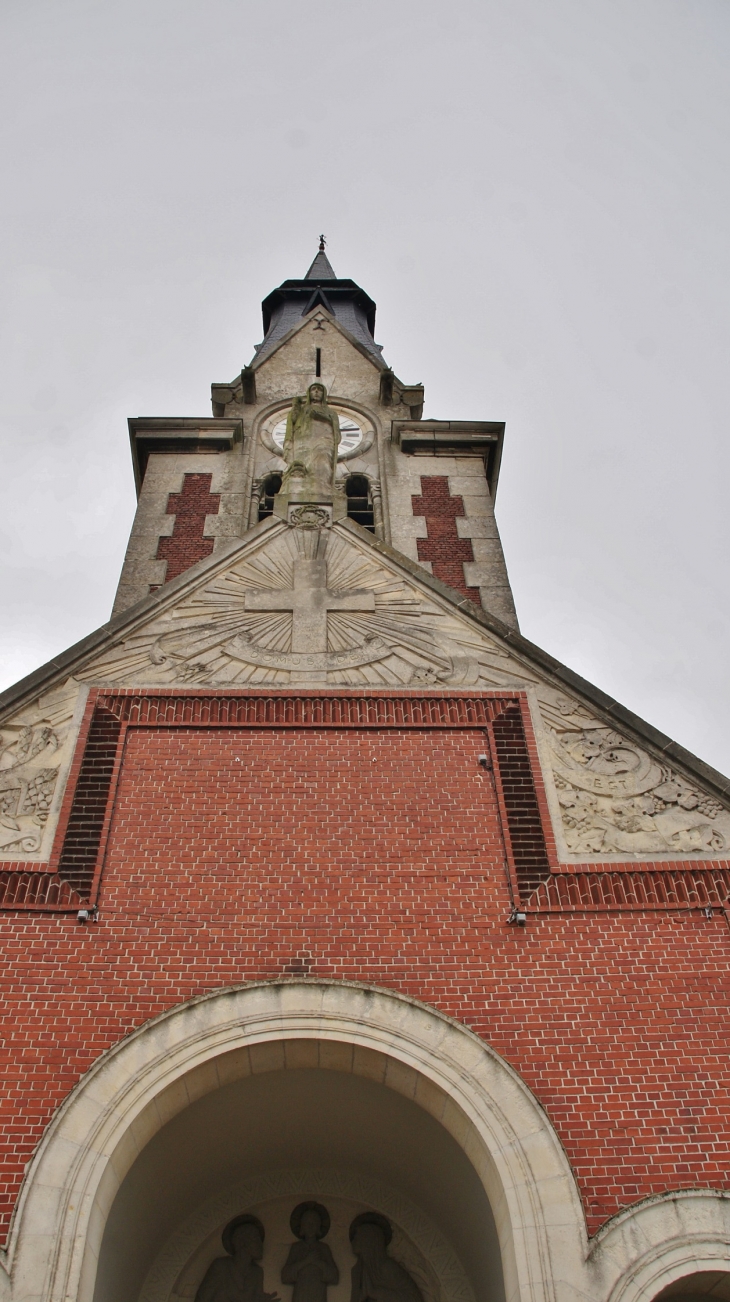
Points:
(535, 192)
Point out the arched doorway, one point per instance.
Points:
(269, 1140)
(250, 1099)
(700, 1286)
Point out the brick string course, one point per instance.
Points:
(443, 547)
(244, 854)
(187, 543)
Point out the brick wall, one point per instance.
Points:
(442, 546)
(390, 867)
(187, 543)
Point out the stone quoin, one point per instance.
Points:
(353, 948)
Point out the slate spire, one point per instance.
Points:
(284, 307)
(321, 268)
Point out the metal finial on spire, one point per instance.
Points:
(322, 242)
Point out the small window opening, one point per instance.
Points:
(318, 364)
(360, 502)
(269, 489)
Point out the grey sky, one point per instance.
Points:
(536, 194)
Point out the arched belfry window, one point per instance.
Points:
(269, 489)
(360, 501)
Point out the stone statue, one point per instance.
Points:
(238, 1277)
(310, 1266)
(310, 448)
(375, 1276)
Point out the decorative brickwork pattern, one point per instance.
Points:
(664, 888)
(80, 852)
(443, 547)
(187, 544)
(526, 835)
(283, 709)
(32, 890)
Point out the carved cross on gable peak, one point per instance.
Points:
(309, 600)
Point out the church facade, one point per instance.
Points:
(354, 949)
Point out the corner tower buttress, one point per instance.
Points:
(425, 487)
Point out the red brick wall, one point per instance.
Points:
(187, 544)
(442, 545)
(377, 855)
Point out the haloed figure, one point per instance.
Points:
(376, 1277)
(238, 1277)
(310, 1266)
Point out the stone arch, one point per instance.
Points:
(159, 1070)
(647, 1251)
(698, 1287)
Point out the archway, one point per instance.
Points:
(268, 1140)
(410, 1077)
(700, 1286)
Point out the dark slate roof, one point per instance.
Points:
(321, 268)
(284, 307)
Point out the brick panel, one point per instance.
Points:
(187, 543)
(443, 547)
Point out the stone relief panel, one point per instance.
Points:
(307, 606)
(35, 752)
(420, 1252)
(617, 802)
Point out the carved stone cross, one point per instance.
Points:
(309, 600)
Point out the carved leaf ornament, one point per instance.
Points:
(27, 784)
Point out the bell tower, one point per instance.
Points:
(353, 947)
(426, 488)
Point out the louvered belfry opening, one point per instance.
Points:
(77, 864)
(529, 851)
(269, 489)
(360, 502)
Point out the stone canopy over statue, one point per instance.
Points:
(310, 449)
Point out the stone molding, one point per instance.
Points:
(180, 435)
(140, 1084)
(482, 438)
(659, 1241)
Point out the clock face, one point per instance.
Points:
(351, 435)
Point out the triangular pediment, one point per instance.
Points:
(318, 311)
(332, 607)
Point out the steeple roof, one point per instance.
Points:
(352, 307)
(321, 268)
